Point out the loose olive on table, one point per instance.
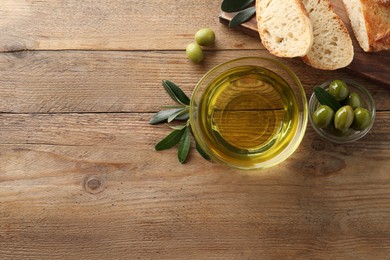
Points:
(194, 52)
(205, 36)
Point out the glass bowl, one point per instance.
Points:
(351, 134)
(249, 113)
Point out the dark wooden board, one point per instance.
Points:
(373, 65)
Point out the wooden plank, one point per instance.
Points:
(373, 65)
(72, 81)
(91, 186)
(89, 129)
(112, 25)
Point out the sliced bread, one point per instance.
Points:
(370, 21)
(284, 27)
(332, 47)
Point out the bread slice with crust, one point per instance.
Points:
(370, 21)
(332, 47)
(284, 27)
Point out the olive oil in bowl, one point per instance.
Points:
(247, 117)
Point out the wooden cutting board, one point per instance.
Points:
(373, 65)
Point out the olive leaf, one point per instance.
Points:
(181, 134)
(164, 115)
(183, 117)
(176, 93)
(170, 140)
(242, 16)
(201, 151)
(177, 127)
(184, 144)
(326, 99)
(235, 5)
(181, 112)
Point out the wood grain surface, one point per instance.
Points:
(79, 176)
(373, 65)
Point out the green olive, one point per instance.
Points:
(343, 118)
(205, 36)
(338, 89)
(323, 116)
(362, 118)
(194, 52)
(353, 100)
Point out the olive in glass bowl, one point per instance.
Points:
(351, 121)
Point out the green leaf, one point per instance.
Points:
(175, 92)
(170, 140)
(326, 99)
(177, 127)
(235, 5)
(201, 151)
(163, 115)
(184, 144)
(179, 113)
(242, 17)
(183, 117)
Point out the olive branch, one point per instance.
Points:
(181, 134)
(245, 9)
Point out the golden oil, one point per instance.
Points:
(247, 115)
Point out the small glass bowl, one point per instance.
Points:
(351, 134)
(245, 159)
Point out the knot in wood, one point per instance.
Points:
(93, 184)
(318, 145)
(17, 50)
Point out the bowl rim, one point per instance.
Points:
(299, 93)
(356, 135)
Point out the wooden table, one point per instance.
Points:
(79, 176)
